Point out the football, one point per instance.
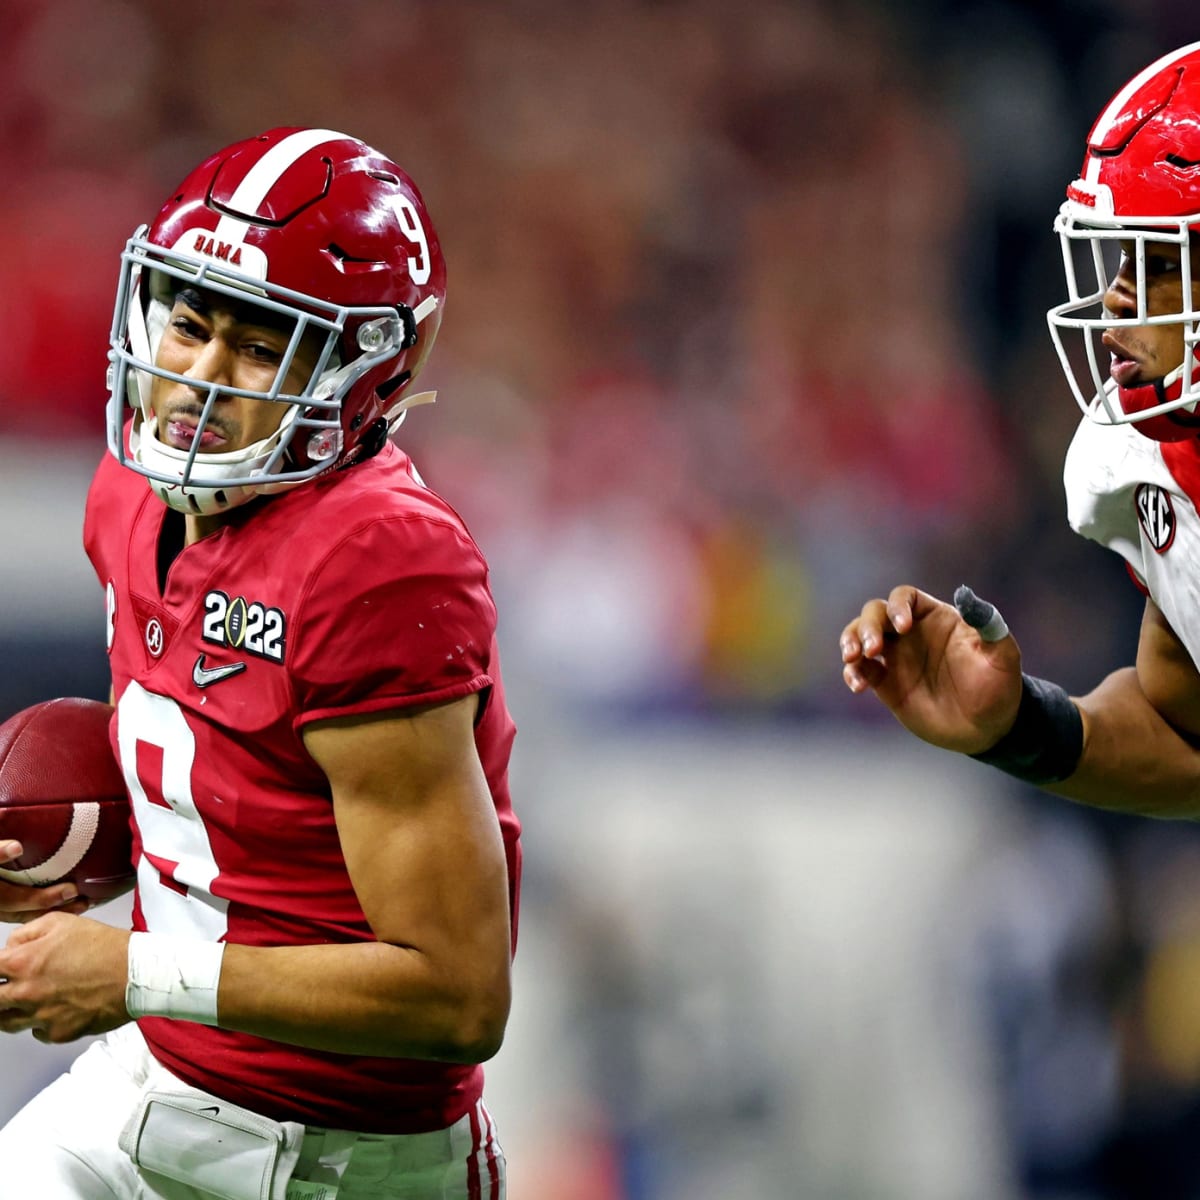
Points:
(62, 796)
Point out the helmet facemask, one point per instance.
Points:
(1093, 250)
(308, 438)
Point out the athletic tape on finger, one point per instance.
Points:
(983, 617)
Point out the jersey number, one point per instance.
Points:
(176, 868)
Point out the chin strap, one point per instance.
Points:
(1177, 425)
(1174, 425)
(394, 416)
(1145, 395)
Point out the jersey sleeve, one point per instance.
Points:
(104, 531)
(398, 614)
(1102, 470)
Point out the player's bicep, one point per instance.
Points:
(418, 828)
(1168, 676)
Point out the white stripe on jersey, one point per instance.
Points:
(263, 176)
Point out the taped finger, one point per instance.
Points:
(983, 617)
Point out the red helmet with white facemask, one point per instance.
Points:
(1139, 189)
(332, 239)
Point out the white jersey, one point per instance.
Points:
(1139, 497)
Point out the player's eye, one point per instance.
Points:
(1160, 264)
(263, 353)
(186, 326)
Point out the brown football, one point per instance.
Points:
(62, 796)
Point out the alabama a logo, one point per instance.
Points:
(246, 626)
(156, 639)
(1156, 515)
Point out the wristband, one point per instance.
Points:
(172, 977)
(1046, 740)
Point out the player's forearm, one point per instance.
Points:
(1133, 760)
(364, 998)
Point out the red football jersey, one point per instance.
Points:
(361, 591)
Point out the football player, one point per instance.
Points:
(1127, 338)
(309, 716)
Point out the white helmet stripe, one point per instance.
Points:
(265, 173)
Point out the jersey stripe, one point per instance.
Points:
(265, 173)
(473, 1183)
(489, 1150)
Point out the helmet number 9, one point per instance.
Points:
(419, 267)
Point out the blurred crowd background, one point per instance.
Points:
(745, 324)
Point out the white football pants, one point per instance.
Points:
(63, 1145)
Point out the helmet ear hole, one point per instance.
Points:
(389, 387)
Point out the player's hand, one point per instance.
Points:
(940, 676)
(64, 978)
(19, 903)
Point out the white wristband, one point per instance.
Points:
(171, 977)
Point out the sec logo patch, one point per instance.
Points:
(1156, 515)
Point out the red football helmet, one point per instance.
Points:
(317, 227)
(1139, 188)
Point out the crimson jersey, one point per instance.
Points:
(358, 592)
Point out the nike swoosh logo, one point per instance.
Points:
(203, 676)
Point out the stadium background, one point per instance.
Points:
(745, 324)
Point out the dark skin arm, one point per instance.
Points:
(1142, 732)
(1141, 724)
